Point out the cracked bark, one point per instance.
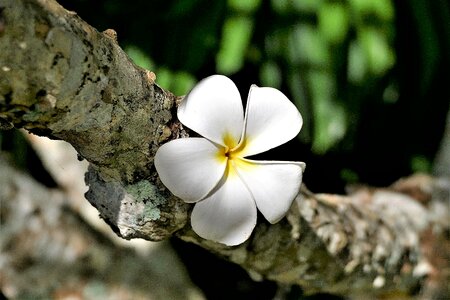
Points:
(61, 78)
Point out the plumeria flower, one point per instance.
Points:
(214, 172)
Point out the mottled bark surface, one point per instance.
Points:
(370, 242)
(47, 251)
(63, 79)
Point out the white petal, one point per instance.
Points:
(271, 120)
(214, 109)
(273, 184)
(190, 168)
(228, 215)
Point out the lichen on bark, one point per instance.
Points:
(64, 79)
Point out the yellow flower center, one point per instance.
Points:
(231, 153)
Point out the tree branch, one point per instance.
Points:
(62, 79)
(50, 252)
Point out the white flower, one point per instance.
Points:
(213, 171)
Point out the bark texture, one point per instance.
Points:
(48, 251)
(63, 79)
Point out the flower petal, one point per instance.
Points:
(273, 184)
(190, 168)
(228, 215)
(270, 120)
(214, 110)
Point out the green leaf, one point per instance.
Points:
(381, 8)
(139, 57)
(357, 63)
(164, 77)
(329, 115)
(270, 74)
(247, 6)
(236, 35)
(306, 5)
(380, 56)
(182, 83)
(307, 45)
(420, 163)
(333, 22)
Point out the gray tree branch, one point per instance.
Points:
(50, 252)
(61, 78)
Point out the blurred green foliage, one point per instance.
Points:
(368, 76)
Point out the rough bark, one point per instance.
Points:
(47, 251)
(63, 79)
